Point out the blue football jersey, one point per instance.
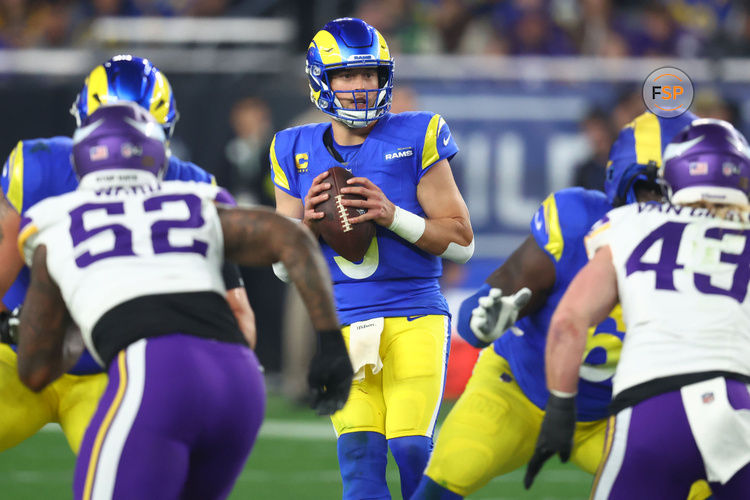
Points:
(559, 227)
(395, 278)
(40, 168)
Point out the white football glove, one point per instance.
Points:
(496, 313)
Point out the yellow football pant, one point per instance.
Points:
(70, 401)
(492, 430)
(402, 399)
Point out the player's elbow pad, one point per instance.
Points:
(459, 253)
(279, 269)
(463, 325)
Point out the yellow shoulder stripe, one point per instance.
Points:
(555, 243)
(279, 177)
(647, 133)
(429, 151)
(27, 232)
(15, 183)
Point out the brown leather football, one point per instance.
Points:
(348, 240)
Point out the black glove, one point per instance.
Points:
(556, 435)
(330, 375)
(9, 322)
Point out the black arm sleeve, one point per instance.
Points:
(231, 274)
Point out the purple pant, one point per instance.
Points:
(177, 420)
(651, 452)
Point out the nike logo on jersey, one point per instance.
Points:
(412, 318)
(445, 141)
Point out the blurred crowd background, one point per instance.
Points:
(534, 91)
(608, 28)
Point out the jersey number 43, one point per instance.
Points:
(713, 254)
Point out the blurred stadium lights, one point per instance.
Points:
(191, 30)
(178, 45)
(558, 69)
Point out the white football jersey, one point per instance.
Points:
(682, 278)
(107, 245)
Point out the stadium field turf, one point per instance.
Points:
(294, 458)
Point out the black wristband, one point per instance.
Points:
(5, 328)
(328, 336)
(231, 274)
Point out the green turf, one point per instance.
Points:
(294, 458)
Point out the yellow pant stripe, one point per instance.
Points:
(94, 459)
(607, 449)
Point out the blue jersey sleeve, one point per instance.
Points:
(179, 170)
(37, 169)
(563, 219)
(282, 173)
(438, 144)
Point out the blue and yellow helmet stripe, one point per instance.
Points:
(128, 78)
(637, 153)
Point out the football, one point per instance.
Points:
(348, 240)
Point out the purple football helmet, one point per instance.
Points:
(122, 135)
(709, 160)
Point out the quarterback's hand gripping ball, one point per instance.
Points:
(351, 241)
(496, 313)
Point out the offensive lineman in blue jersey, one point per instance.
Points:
(40, 168)
(391, 301)
(492, 428)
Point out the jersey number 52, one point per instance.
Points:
(123, 236)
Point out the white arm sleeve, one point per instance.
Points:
(458, 253)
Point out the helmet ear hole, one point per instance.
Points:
(384, 74)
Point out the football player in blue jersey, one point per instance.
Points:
(492, 428)
(398, 323)
(40, 168)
